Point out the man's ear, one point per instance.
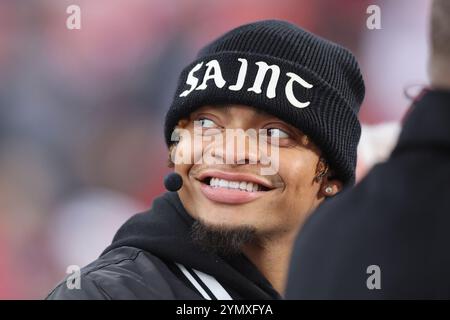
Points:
(330, 186)
(170, 163)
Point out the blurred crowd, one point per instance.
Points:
(81, 111)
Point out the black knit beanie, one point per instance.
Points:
(304, 80)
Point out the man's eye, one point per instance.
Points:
(277, 133)
(207, 123)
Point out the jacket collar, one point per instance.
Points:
(165, 232)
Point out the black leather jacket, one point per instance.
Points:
(153, 257)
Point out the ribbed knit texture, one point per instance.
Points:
(338, 88)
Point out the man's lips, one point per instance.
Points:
(232, 195)
(234, 176)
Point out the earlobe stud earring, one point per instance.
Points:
(329, 189)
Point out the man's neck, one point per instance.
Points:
(272, 258)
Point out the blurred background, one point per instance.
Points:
(81, 111)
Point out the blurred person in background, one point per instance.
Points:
(75, 117)
(228, 232)
(389, 238)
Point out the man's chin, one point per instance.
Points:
(220, 238)
(228, 221)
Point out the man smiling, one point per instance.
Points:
(228, 232)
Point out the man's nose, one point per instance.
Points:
(239, 147)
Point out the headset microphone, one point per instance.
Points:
(173, 182)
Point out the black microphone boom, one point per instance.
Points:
(173, 182)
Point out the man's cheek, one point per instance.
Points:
(271, 162)
(183, 169)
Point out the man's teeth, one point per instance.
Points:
(242, 185)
